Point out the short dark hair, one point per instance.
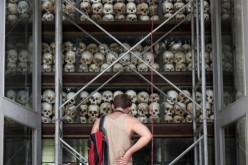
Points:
(122, 100)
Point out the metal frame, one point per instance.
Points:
(20, 114)
(226, 115)
(200, 133)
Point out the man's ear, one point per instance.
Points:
(113, 107)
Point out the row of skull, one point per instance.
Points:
(96, 98)
(17, 10)
(144, 112)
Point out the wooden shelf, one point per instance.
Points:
(123, 79)
(124, 27)
(159, 130)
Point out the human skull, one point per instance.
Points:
(46, 68)
(168, 108)
(117, 93)
(131, 8)
(188, 57)
(70, 10)
(97, 8)
(169, 67)
(143, 97)
(115, 47)
(22, 97)
(12, 18)
(119, 8)
(22, 67)
(154, 109)
(134, 111)
(83, 109)
(130, 68)
(48, 17)
(86, 57)
(81, 47)
(142, 67)
(12, 55)
(178, 119)
(93, 48)
(143, 119)
(143, 109)
(83, 68)
(98, 58)
(23, 55)
(48, 96)
(227, 98)
(94, 68)
(111, 57)
(48, 7)
(180, 17)
(105, 66)
(168, 119)
(142, 9)
(46, 119)
(93, 111)
(68, 120)
(96, 98)
(181, 67)
(108, 9)
(131, 17)
(69, 68)
(133, 95)
(86, 7)
(47, 58)
(11, 67)
(105, 108)
(125, 59)
(84, 97)
(198, 97)
(70, 110)
(23, 7)
(179, 109)
(182, 96)
(179, 57)
(189, 108)
(167, 7)
(134, 59)
(72, 99)
(186, 47)
(119, 17)
(107, 96)
(168, 57)
(153, 9)
(148, 58)
(178, 6)
(11, 8)
(154, 97)
(83, 119)
(117, 67)
(103, 48)
(172, 96)
(210, 96)
(108, 17)
(70, 57)
(11, 94)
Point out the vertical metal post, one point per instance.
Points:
(193, 44)
(58, 82)
(205, 139)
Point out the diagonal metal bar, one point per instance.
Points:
(186, 151)
(133, 48)
(72, 149)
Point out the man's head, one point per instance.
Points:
(122, 100)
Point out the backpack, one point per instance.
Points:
(98, 146)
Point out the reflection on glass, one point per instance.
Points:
(18, 52)
(18, 143)
(232, 50)
(235, 142)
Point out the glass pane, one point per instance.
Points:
(18, 52)
(17, 143)
(235, 142)
(232, 50)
